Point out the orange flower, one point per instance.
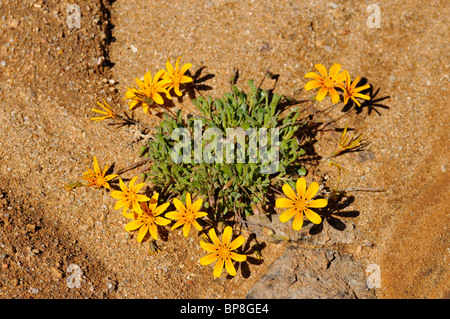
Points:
(97, 178)
(176, 76)
(300, 203)
(326, 82)
(186, 215)
(148, 219)
(129, 197)
(351, 91)
(149, 91)
(108, 113)
(222, 251)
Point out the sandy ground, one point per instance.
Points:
(50, 77)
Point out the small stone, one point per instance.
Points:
(3, 63)
(56, 273)
(133, 48)
(14, 24)
(111, 285)
(34, 290)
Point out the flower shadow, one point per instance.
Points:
(371, 104)
(333, 213)
(252, 246)
(197, 85)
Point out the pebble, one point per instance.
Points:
(3, 63)
(34, 290)
(133, 48)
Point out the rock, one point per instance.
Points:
(111, 285)
(56, 273)
(312, 274)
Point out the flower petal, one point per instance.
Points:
(322, 70)
(312, 85)
(186, 79)
(133, 225)
(334, 95)
(174, 215)
(200, 214)
(121, 203)
(118, 195)
(208, 247)
(153, 202)
(238, 257)
(208, 259)
(289, 192)
(321, 94)
(179, 205)
(362, 96)
(284, 217)
(284, 203)
(162, 221)
(157, 98)
(142, 198)
(213, 237)
(238, 242)
(160, 209)
(230, 267)
(122, 186)
(301, 187)
(131, 184)
(153, 231)
(311, 191)
(298, 222)
(141, 84)
(314, 76)
(317, 203)
(335, 68)
(142, 232)
(226, 236)
(169, 67)
(313, 216)
(178, 224)
(197, 225)
(186, 229)
(188, 201)
(185, 67)
(218, 268)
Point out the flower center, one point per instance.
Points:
(131, 196)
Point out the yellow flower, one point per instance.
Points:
(186, 215)
(300, 203)
(108, 112)
(149, 91)
(129, 197)
(222, 251)
(351, 91)
(97, 178)
(326, 82)
(347, 143)
(149, 218)
(176, 76)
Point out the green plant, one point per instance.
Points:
(228, 186)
